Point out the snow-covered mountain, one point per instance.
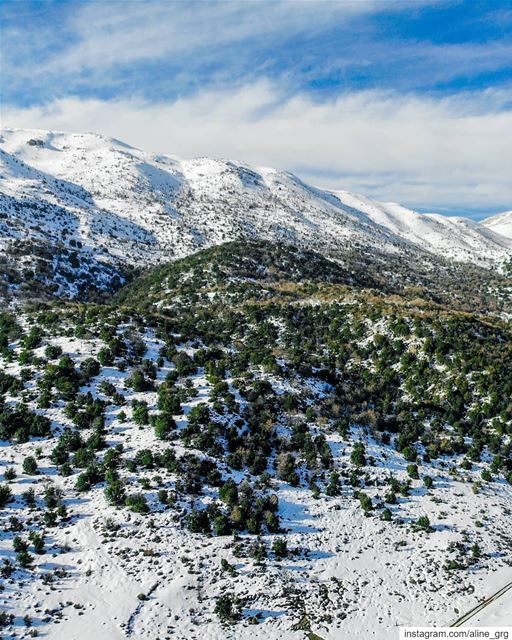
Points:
(500, 223)
(89, 207)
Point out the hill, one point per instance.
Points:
(240, 270)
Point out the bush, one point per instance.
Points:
(228, 493)
(333, 488)
(412, 471)
(90, 476)
(164, 426)
(280, 548)
(106, 357)
(198, 522)
(20, 424)
(358, 455)
(141, 413)
(115, 493)
(184, 364)
(33, 338)
(89, 368)
(9, 384)
(423, 524)
(410, 453)
(24, 559)
(6, 619)
(29, 497)
(52, 496)
(137, 503)
(227, 567)
(83, 457)
(37, 540)
(138, 382)
(53, 351)
(222, 526)
(9, 474)
(366, 502)
(50, 518)
(19, 544)
(228, 608)
(386, 515)
(286, 468)
(6, 570)
(30, 466)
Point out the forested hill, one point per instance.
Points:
(246, 268)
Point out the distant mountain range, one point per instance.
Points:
(81, 212)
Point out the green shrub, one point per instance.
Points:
(30, 466)
(137, 503)
(227, 608)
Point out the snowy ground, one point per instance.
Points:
(497, 612)
(351, 576)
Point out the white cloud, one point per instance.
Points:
(422, 151)
(99, 36)
(145, 30)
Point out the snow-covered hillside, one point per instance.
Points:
(99, 200)
(457, 237)
(99, 528)
(500, 223)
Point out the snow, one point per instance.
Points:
(455, 237)
(500, 223)
(368, 575)
(128, 206)
(497, 614)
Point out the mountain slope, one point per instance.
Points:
(456, 237)
(258, 269)
(284, 466)
(119, 208)
(500, 223)
(238, 270)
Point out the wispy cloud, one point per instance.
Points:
(155, 49)
(148, 30)
(423, 151)
(98, 38)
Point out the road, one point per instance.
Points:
(483, 605)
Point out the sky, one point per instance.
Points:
(400, 100)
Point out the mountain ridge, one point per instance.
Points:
(112, 208)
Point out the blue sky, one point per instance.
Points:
(407, 101)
